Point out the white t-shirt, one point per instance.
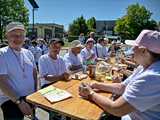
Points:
(48, 66)
(22, 82)
(71, 59)
(37, 52)
(143, 92)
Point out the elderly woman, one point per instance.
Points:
(88, 55)
(140, 92)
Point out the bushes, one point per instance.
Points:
(71, 38)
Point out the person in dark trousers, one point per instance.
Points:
(18, 74)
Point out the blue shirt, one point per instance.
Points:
(143, 92)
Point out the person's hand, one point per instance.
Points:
(107, 60)
(117, 79)
(25, 108)
(66, 75)
(122, 70)
(100, 59)
(123, 60)
(85, 90)
(93, 85)
(92, 56)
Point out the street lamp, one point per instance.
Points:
(35, 6)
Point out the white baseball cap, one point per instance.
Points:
(147, 39)
(90, 40)
(13, 26)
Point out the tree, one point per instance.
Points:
(91, 23)
(78, 26)
(136, 19)
(12, 10)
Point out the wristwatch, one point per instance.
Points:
(18, 101)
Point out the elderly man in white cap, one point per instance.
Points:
(17, 74)
(73, 58)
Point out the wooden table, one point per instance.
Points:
(75, 107)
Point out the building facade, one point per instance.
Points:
(45, 31)
(105, 27)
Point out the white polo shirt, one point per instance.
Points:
(143, 92)
(71, 59)
(48, 66)
(22, 82)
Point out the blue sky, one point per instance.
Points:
(65, 11)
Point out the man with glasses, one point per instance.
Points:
(17, 74)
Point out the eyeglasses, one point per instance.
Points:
(17, 36)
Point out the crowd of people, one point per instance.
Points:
(22, 60)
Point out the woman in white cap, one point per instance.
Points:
(87, 53)
(140, 92)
